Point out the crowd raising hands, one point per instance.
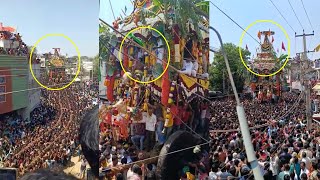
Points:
(50, 137)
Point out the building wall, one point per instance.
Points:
(87, 65)
(5, 86)
(102, 88)
(15, 72)
(33, 95)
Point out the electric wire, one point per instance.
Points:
(168, 153)
(148, 51)
(282, 15)
(30, 89)
(177, 84)
(112, 10)
(307, 14)
(216, 7)
(167, 78)
(44, 68)
(154, 157)
(295, 13)
(238, 24)
(186, 90)
(234, 22)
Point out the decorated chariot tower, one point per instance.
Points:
(265, 63)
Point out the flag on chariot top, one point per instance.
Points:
(272, 40)
(259, 35)
(317, 49)
(269, 33)
(284, 48)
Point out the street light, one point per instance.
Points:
(244, 127)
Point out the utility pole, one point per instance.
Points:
(304, 80)
(223, 83)
(244, 127)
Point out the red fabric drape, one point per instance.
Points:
(253, 87)
(123, 128)
(165, 86)
(176, 39)
(278, 87)
(108, 118)
(110, 82)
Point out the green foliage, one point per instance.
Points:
(183, 13)
(204, 6)
(96, 65)
(219, 67)
(104, 40)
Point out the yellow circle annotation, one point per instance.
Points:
(287, 37)
(78, 67)
(120, 58)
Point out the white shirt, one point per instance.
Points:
(213, 176)
(150, 121)
(187, 65)
(195, 66)
(160, 52)
(203, 113)
(305, 171)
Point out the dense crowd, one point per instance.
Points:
(256, 113)
(17, 46)
(50, 137)
(285, 149)
(13, 128)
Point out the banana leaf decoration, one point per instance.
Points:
(282, 57)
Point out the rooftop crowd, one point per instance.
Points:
(17, 46)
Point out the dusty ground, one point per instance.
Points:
(75, 168)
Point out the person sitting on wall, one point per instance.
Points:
(190, 65)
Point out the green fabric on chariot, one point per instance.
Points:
(110, 71)
(157, 70)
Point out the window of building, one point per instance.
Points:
(3, 96)
(2, 80)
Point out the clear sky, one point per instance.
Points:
(245, 12)
(106, 10)
(76, 19)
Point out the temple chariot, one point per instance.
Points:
(266, 62)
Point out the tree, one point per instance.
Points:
(104, 40)
(183, 12)
(238, 70)
(96, 65)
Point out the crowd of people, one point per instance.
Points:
(283, 146)
(13, 127)
(285, 149)
(17, 46)
(50, 137)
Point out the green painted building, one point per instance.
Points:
(14, 73)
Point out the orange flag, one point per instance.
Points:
(259, 35)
